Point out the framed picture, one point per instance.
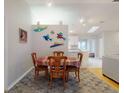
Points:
(22, 36)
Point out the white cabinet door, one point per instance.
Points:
(110, 68)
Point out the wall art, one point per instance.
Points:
(47, 37)
(52, 32)
(60, 36)
(56, 44)
(40, 29)
(22, 36)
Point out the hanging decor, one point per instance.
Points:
(22, 36)
(60, 36)
(52, 37)
(56, 44)
(47, 37)
(52, 32)
(40, 29)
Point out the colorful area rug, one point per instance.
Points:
(89, 83)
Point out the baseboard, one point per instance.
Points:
(16, 81)
(110, 78)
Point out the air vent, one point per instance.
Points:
(115, 1)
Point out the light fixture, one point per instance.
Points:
(93, 29)
(84, 24)
(81, 20)
(49, 4)
(71, 31)
(90, 21)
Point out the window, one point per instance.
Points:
(83, 45)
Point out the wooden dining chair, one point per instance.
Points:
(38, 68)
(58, 53)
(57, 68)
(75, 67)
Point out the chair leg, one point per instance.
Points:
(46, 73)
(38, 73)
(67, 75)
(50, 82)
(64, 78)
(79, 75)
(35, 74)
(75, 74)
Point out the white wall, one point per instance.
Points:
(17, 55)
(52, 15)
(111, 44)
(42, 47)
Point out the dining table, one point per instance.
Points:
(43, 60)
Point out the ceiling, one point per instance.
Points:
(32, 2)
(103, 13)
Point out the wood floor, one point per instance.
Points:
(98, 73)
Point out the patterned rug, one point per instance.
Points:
(89, 83)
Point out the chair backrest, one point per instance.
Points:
(58, 53)
(34, 58)
(80, 56)
(57, 64)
